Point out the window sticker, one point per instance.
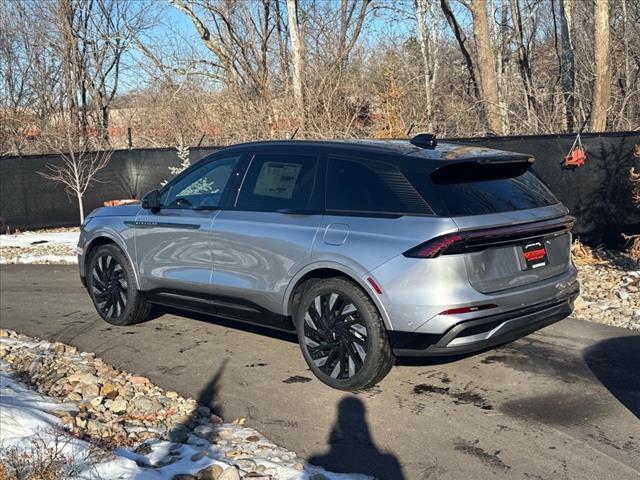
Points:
(277, 179)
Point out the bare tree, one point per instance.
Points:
(567, 62)
(602, 86)
(77, 168)
(297, 45)
(486, 66)
(427, 37)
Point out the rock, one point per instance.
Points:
(171, 394)
(212, 472)
(142, 404)
(96, 401)
(74, 397)
(318, 476)
(89, 390)
(118, 406)
(108, 390)
(86, 378)
(205, 431)
(179, 434)
(623, 294)
(246, 464)
(139, 380)
(231, 473)
(198, 456)
(184, 476)
(204, 411)
(252, 438)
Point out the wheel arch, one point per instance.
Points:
(322, 270)
(108, 238)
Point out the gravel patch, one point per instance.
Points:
(159, 429)
(609, 291)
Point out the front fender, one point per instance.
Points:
(97, 233)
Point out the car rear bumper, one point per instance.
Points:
(477, 334)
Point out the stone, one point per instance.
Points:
(184, 476)
(89, 390)
(204, 411)
(318, 476)
(205, 431)
(171, 394)
(246, 464)
(198, 456)
(87, 378)
(231, 473)
(136, 380)
(109, 391)
(212, 472)
(252, 438)
(96, 401)
(118, 406)
(179, 434)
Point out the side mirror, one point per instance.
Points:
(151, 201)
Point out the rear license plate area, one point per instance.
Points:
(535, 255)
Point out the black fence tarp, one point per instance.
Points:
(598, 194)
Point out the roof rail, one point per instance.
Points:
(424, 140)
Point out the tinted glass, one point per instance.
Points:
(278, 182)
(201, 187)
(521, 192)
(354, 186)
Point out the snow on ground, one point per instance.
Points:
(40, 247)
(24, 239)
(28, 418)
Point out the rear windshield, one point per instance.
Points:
(452, 194)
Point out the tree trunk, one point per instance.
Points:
(486, 67)
(80, 207)
(567, 64)
(297, 46)
(523, 62)
(602, 86)
(462, 43)
(425, 48)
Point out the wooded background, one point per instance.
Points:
(105, 74)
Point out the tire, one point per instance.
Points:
(112, 287)
(342, 336)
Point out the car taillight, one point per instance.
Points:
(475, 240)
(435, 247)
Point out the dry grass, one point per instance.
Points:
(585, 255)
(46, 458)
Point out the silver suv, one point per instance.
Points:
(366, 249)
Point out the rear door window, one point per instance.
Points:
(278, 182)
(355, 186)
(482, 192)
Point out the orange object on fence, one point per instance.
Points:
(577, 155)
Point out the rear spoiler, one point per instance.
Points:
(482, 168)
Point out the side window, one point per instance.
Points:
(354, 186)
(277, 182)
(202, 186)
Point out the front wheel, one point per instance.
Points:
(342, 336)
(111, 284)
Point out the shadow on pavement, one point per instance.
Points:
(351, 448)
(233, 324)
(616, 363)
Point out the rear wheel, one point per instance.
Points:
(342, 336)
(111, 284)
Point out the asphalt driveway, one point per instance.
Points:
(560, 404)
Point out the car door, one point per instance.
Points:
(173, 245)
(266, 235)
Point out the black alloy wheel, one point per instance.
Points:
(335, 335)
(109, 286)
